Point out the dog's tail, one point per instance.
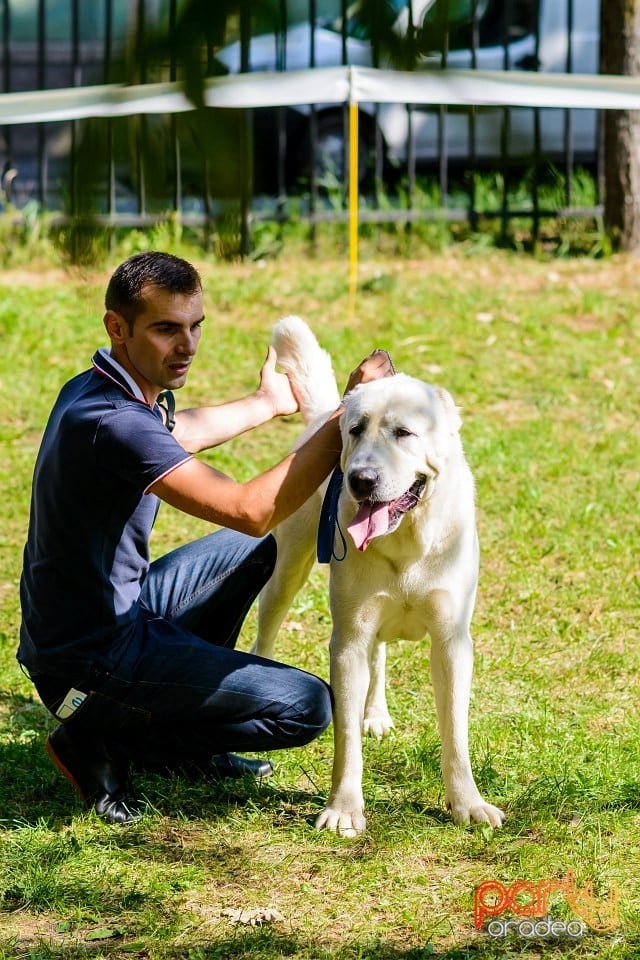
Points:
(308, 367)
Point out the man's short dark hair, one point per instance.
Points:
(125, 292)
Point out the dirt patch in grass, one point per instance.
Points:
(21, 932)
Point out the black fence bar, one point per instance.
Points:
(568, 117)
(6, 172)
(42, 160)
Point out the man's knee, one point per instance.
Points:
(314, 711)
(261, 562)
(269, 553)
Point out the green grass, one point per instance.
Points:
(543, 358)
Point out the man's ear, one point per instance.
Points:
(116, 326)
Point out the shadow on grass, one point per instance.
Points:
(33, 791)
(265, 944)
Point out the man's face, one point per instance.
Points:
(159, 349)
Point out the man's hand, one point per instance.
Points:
(377, 365)
(206, 427)
(275, 387)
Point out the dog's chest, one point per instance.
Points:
(392, 596)
(402, 604)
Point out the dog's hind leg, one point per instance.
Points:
(296, 542)
(377, 719)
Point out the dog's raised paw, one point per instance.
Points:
(345, 824)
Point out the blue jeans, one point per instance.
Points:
(180, 693)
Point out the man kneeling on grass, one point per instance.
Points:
(137, 659)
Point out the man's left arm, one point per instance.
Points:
(204, 427)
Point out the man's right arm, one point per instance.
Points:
(258, 505)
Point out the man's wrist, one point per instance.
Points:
(265, 406)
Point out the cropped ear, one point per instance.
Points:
(452, 412)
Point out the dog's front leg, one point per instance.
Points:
(344, 812)
(451, 671)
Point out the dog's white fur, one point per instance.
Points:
(419, 577)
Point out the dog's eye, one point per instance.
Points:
(403, 432)
(356, 429)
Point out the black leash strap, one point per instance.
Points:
(167, 402)
(328, 523)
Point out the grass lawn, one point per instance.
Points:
(542, 357)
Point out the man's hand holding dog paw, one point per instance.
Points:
(275, 388)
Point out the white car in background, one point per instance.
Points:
(558, 46)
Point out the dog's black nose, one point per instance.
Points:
(363, 482)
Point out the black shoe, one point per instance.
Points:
(230, 765)
(97, 779)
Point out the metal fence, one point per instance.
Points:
(465, 164)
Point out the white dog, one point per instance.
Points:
(407, 566)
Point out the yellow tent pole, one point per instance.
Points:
(353, 208)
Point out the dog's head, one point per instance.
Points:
(397, 434)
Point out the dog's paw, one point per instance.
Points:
(477, 812)
(344, 823)
(377, 724)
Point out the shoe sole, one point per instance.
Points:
(64, 770)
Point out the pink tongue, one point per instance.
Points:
(371, 520)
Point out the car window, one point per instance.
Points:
(461, 24)
(440, 23)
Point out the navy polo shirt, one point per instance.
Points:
(87, 551)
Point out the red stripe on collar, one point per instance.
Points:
(111, 369)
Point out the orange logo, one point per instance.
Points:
(527, 899)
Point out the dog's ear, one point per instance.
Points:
(452, 412)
